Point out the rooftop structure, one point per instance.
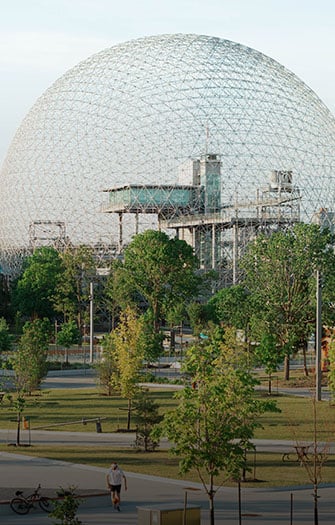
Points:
(217, 233)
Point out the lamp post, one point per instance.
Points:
(318, 333)
(99, 271)
(91, 322)
(56, 330)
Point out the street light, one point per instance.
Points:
(91, 321)
(318, 373)
(104, 272)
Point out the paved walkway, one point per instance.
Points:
(258, 506)
(119, 439)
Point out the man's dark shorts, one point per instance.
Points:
(116, 488)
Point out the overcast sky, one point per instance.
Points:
(41, 39)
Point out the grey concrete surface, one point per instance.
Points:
(119, 439)
(94, 439)
(258, 506)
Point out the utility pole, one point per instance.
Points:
(91, 322)
(318, 336)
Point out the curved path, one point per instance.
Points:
(87, 379)
(258, 506)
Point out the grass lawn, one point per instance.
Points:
(266, 469)
(64, 409)
(295, 421)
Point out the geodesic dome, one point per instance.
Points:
(135, 113)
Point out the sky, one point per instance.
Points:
(42, 39)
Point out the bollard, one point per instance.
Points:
(98, 426)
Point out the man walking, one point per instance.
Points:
(114, 482)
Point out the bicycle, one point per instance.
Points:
(23, 504)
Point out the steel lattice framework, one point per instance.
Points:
(137, 113)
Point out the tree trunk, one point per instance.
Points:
(239, 503)
(244, 468)
(156, 314)
(211, 508)
(128, 414)
(305, 359)
(18, 430)
(211, 494)
(172, 339)
(287, 368)
(316, 514)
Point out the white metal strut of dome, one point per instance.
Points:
(138, 114)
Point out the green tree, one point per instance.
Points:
(66, 508)
(109, 376)
(327, 271)
(34, 290)
(231, 307)
(160, 270)
(71, 297)
(331, 373)
(280, 275)
(214, 422)
(315, 462)
(146, 416)
(129, 343)
(175, 318)
(18, 406)
(153, 341)
(30, 359)
(268, 355)
(6, 340)
(197, 315)
(5, 296)
(118, 293)
(68, 335)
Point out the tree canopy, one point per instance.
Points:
(280, 276)
(230, 306)
(128, 343)
(214, 421)
(160, 269)
(30, 359)
(71, 297)
(34, 290)
(68, 335)
(6, 340)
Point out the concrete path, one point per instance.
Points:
(258, 506)
(118, 439)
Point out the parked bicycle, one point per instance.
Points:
(23, 504)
